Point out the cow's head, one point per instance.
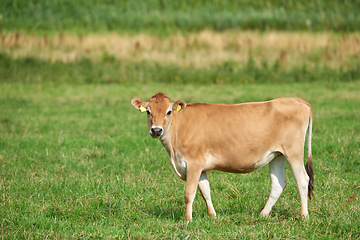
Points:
(160, 111)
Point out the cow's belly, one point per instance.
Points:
(240, 163)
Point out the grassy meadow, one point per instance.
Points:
(77, 162)
(76, 159)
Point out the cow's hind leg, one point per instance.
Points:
(278, 182)
(204, 188)
(302, 181)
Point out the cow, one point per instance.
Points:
(236, 138)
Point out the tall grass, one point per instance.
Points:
(168, 16)
(200, 50)
(110, 70)
(202, 58)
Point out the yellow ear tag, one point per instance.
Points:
(142, 109)
(178, 108)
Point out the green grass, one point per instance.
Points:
(161, 16)
(110, 70)
(76, 161)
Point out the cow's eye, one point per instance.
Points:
(168, 113)
(148, 112)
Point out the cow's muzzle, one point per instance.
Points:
(156, 131)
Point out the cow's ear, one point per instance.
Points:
(139, 104)
(179, 106)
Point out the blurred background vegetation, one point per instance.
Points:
(166, 16)
(190, 41)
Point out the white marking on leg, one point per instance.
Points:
(204, 188)
(302, 181)
(278, 183)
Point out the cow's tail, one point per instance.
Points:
(309, 162)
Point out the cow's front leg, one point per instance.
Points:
(192, 179)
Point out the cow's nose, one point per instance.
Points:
(156, 131)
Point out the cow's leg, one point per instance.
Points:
(278, 183)
(204, 188)
(302, 181)
(192, 179)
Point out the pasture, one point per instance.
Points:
(76, 159)
(77, 162)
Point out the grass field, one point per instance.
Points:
(76, 159)
(77, 162)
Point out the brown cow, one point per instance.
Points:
(237, 138)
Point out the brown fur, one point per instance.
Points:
(158, 97)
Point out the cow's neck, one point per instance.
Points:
(166, 141)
